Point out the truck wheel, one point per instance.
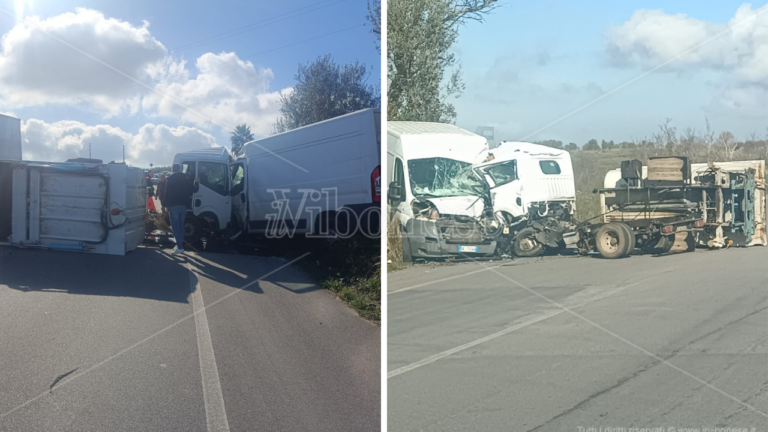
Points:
(631, 236)
(612, 241)
(193, 230)
(526, 244)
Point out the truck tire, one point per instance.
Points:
(612, 240)
(632, 240)
(526, 244)
(193, 230)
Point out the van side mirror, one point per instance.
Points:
(395, 192)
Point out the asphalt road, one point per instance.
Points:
(281, 354)
(563, 343)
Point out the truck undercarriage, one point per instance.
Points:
(673, 211)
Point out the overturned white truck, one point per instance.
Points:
(452, 196)
(673, 206)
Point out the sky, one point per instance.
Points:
(160, 77)
(564, 71)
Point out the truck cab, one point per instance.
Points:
(522, 175)
(532, 190)
(211, 207)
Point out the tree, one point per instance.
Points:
(572, 147)
(326, 90)
(728, 141)
(421, 72)
(607, 145)
(374, 16)
(591, 145)
(241, 135)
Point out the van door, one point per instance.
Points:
(212, 198)
(239, 193)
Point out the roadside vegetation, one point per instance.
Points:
(394, 245)
(349, 268)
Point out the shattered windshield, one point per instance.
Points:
(442, 177)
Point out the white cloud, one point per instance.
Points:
(738, 50)
(37, 69)
(227, 90)
(158, 143)
(66, 139)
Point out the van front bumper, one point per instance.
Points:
(430, 239)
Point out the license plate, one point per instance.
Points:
(467, 248)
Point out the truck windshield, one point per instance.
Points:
(442, 177)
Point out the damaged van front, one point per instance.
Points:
(439, 201)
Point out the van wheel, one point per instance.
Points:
(526, 244)
(612, 241)
(193, 230)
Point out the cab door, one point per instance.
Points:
(212, 198)
(239, 193)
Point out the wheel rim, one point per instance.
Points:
(527, 244)
(610, 241)
(189, 229)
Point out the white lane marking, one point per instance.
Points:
(215, 412)
(510, 329)
(441, 280)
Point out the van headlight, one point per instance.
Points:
(424, 210)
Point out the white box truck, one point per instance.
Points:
(321, 179)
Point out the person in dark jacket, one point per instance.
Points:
(178, 197)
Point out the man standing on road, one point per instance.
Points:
(178, 197)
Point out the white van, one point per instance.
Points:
(433, 191)
(322, 179)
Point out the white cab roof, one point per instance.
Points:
(213, 154)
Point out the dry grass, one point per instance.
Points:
(394, 243)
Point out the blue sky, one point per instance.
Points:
(275, 37)
(531, 63)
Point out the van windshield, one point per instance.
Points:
(442, 177)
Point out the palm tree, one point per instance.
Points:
(241, 135)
